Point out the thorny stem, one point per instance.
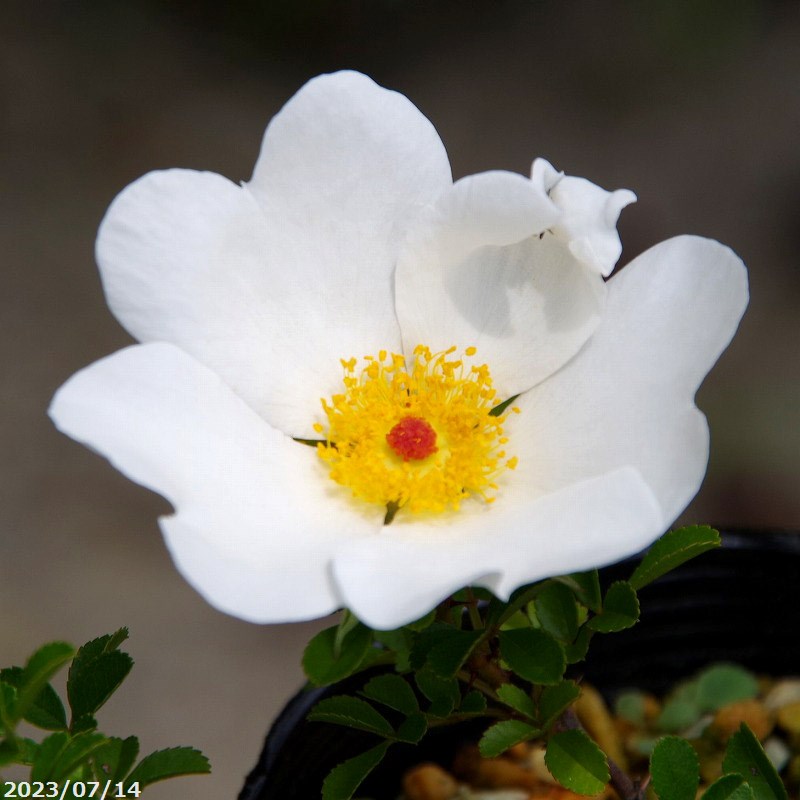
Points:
(627, 788)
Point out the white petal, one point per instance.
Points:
(628, 397)
(257, 521)
(396, 577)
(271, 284)
(475, 273)
(589, 220)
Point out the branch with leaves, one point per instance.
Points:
(506, 662)
(75, 750)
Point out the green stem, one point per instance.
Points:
(472, 607)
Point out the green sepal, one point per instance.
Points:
(745, 756)
(499, 737)
(169, 763)
(620, 609)
(343, 780)
(534, 655)
(675, 769)
(321, 663)
(576, 762)
(673, 549)
(352, 712)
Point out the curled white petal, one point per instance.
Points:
(589, 215)
(475, 272)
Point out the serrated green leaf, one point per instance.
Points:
(473, 703)
(412, 728)
(729, 787)
(46, 711)
(745, 756)
(19, 751)
(393, 691)
(585, 586)
(95, 647)
(620, 609)
(675, 769)
(451, 650)
(673, 549)
(75, 754)
(96, 680)
(41, 667)
(722, 684)
(343, 780)
(577, 651)
(115, 758)
(516, 698)
(50, 749)
(168, 763)
(502, 735)
(533, 655)
(554, 700)
(444, 693)
(321, 664)
(576, 762)
(352, 712)
(557, 611)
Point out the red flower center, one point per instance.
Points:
(412, 438)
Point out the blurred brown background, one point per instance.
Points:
(694, 105)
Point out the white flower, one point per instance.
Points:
(351, 239)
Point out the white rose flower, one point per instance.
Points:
(353, 295)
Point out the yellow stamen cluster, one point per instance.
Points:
(454, 400)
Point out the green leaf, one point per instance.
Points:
(554, 700)
(620, 609)
(75, 754)
(8, 701)
(722, 684)
(49, 751)
(675, 769)
(502, 735)
(116, 757)
(321, 664)
(19, 751)
(673, 549)
(451, 650)
(422, 622)
(585, 586)
(347, 623)
(412, 728)
(533, 655)
(630, 706)
(343, 780)
(517, 699)
(474, 702)
(576, 762)
(46, 711)
(89, 687)
(351, 712)
(557, 611)
(393, 691)
(729, 787)
(41, 667)
(168, 764)
(580, 647)
(443, 693)
(677, 715)
(745, 755)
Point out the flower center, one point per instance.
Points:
(421, 437)
(412, 438)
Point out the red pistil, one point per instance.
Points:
(412, 437)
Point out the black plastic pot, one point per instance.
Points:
(738, 603)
